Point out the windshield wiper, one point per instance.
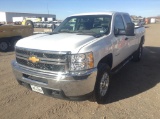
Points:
(98, 35)
(84, 31)
(66, 31)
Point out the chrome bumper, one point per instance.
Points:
(70, 85)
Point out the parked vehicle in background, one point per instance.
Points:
(57, 23)
(50, 24)
(35, 22)
(37, 25)
(76, 60)
(30, 21)
(10, 34)
(44, 24)
(138, 22)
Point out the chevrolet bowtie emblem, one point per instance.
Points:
(33, 59)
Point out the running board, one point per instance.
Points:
(121, 65)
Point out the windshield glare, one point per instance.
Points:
(86, 24)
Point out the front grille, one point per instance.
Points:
(43, 66)
(51, 62)
(40, 54)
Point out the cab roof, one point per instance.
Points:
(97, 13)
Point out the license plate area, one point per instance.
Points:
(37, 89)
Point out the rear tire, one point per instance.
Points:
(138, 54)
(29, 23)
(4, 46)
(102, 83)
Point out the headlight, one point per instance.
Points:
(81, 62)
(78, 58)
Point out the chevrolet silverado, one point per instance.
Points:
(77, 60)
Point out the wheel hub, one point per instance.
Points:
(104, 84)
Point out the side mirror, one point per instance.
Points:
(130, 29)
(119, 32)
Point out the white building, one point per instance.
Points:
(153, 20)
(9, 17)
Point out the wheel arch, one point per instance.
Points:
(142, 40)
(108, 59)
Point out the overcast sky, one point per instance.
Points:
(64, 8)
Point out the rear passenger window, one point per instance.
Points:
(127, 18)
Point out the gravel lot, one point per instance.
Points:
(135, 91)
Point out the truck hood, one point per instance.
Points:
(56, 42)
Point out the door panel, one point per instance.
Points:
(132, 40)
(120, 49)
(120, 43)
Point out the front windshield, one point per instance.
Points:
(96, 24)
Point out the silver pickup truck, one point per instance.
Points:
(79, 57)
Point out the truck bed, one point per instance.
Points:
(15, 30)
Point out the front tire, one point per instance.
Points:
(102, 83)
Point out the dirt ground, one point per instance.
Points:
(134, 94)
